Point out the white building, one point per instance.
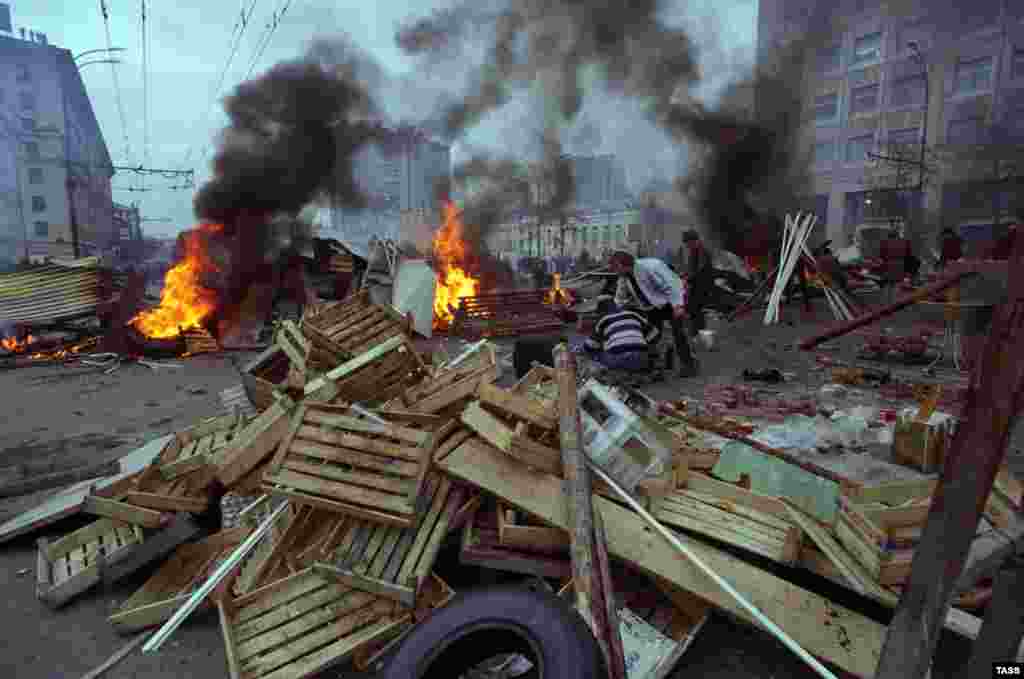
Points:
(49, 135)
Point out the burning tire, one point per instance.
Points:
(485, 623)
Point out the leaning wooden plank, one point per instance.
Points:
(510, 440)
(523, 407)
(853, 645)
(122, 511)
(452, 393)
(254, 443)
(173, 583)
(167, 503)
(271, 635)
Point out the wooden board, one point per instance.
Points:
(255, 443)
(300, 626)
(122, 511)
(392, 561)
(92, 554)
(252, 567)
(374, 376)
(173, 583)
(337, 462)
(513, 440)
(742, 526)
(851, 641)
(515, 533)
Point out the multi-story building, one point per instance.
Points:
(945, 78)
(55, 170)
(401, 182)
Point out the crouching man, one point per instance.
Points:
(623, 339)
(649, 285)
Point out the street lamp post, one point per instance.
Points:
(919, 58)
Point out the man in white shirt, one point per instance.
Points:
(650, 285)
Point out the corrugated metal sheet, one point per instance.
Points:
(48, 293)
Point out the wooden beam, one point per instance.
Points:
(968, 474)
(850, 641)
(112, 509)
(579, 500)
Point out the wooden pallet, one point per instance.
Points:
(503, 314)
(199, 341)
(251, 447)
(175, 581)
(103, 551)
(334, 313)
(299, 626)
(244, 577)
(375, 376)
(392, 561)
(331, 460)
(265, 374)
(881, 540)
(733, 515)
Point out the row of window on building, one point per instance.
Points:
(607, 234)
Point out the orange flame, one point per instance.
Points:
(555, 294)
(184, 302)
(14, 345)
(453, 282)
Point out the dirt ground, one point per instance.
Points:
(69, 416)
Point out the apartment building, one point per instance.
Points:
(54, 163)
(946, 78)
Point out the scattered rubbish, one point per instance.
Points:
(770, 375)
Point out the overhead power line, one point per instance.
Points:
(117, 82)
(240, 25)
(268, 34)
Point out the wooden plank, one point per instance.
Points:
(894, 493)
(366, 583)
(487, 426)
(355, 442)
(852, 644)
(481, 547)
(733, 494)
(980, 441)
(349, 456)
(340, 507)
(345, 494)
(254, 443)
(166, 503)
(324, 388)
(745, 536)
(333, 416)
(523, 407)
(229, 641)
(112, 509)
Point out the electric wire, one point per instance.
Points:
(145, 91)
(117, 83)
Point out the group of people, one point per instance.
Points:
(649, 294)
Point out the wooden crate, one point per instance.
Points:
(265, 374)
(337, 462)
(481, 546)
(300, 626)
(922, 445)
(245, 575)
(103, 551)
(254, 444)
(531, 445)
(733, 515)
(448, 390)
(334, 313)
(199, 341)
(515, 531)
(175, 581)
(392, 561)
(375, 376)
(882, 540)
(363, 329)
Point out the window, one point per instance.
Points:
(27, 101)
(867, 48)
(1017, 63)
(23, 74)
(42, 229)
(35, 175)
(38, 204)
(28, 124)
(973, 76)
(824, 153)
(864, 99)
(857, 148)
(829, 59)
(826, 108)
(908, 91)
(31, 149)
(966, 131)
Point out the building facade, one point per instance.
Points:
(906, 80)
(55, 169)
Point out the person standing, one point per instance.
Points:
(951, 247)
(652, 286)
(700, 279)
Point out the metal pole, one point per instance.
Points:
(919, 58)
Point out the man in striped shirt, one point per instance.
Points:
(622, 339)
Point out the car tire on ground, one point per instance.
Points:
(484, 623)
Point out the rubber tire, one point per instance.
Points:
(560, 639)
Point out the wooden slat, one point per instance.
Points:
(112, 509)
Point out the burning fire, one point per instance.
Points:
(14, 345)
(453, 282)
(184, 302)
(555, 294)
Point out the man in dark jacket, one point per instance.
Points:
(700, 277)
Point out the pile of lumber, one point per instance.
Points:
(367, 460)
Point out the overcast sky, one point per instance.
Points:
(189, 45)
